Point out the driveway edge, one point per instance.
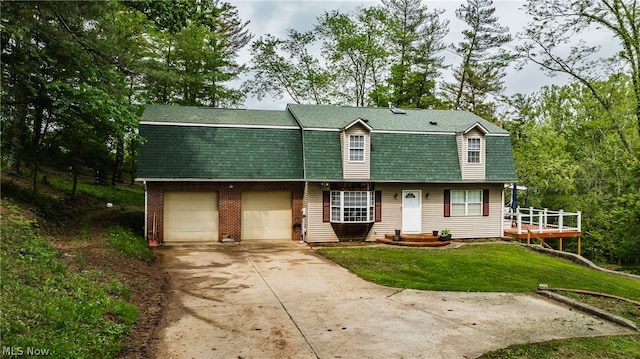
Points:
(589, 309)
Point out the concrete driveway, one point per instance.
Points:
(278, 299)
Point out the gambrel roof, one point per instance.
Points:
(303, 143)
(200, 143)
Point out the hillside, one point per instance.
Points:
(77, 270)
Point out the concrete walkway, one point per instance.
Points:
(279, 299)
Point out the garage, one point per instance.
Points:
(266, 215)
(190, 216)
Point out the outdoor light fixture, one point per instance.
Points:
(395, 196)
(427, 195)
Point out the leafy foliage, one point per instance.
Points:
(377, 55)
(76, 76)
(570, 156)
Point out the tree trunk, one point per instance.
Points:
(74, 189)
(118, 162)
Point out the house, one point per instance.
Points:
(321, 173)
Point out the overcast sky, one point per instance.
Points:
(276, 16)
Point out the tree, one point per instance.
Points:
(53, 55)
(414, 37)
(76, 74)
(355, 51)
(483, 61)
(190, 63)
(558, 23)
(286, 66)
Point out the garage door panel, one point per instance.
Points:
(266, 215)
(190, 216)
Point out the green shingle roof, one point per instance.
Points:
(216, 116)
(206, 143)
(174, 152)
(500, 165)
(383, 119)
(323, 155)
(414, 157)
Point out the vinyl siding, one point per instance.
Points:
(469, 226)
(473, 171)
(317, 231)
(391, 210)
(356, 170)
(433, 211)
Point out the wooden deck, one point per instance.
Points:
(546, 232)
(523, 223)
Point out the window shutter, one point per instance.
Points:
(326, 206)
(485, 202)
(447, 203)
(378, 206)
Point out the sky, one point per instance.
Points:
(276, 16)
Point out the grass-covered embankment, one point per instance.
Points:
(47, 306)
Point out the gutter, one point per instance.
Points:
(146, 211)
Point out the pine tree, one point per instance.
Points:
(483, 61)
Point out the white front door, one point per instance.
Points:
(411, 211)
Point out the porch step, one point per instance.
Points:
(422, 237)
(412, 243)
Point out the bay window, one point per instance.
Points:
(352, 206)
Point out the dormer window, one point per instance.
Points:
(473, 150)
(356, 148)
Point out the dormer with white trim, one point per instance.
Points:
(472, 152)
(355, 139)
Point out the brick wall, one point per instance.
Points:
(229, 202)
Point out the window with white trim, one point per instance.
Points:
(473, 150)
(352, 206)
(356, 148)
(466, 203)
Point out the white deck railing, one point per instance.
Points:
(541, 220)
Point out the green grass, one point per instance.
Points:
(122, 194)
(476, 268)
(125, 241)
(613, 347)
(45, 305)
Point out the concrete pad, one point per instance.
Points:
(279, 299)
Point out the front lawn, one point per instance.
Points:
(476, 268)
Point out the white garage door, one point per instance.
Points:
(190, 216)
(266, 215)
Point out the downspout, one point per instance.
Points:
(502, 213)
(303, 228)
(146, 213)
